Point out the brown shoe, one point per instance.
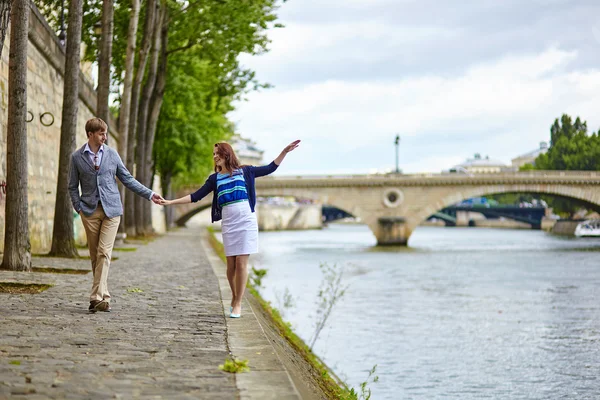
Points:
(93, 305)
(102, 306)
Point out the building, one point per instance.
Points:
(480, 165)
(529, 158)
(246, 151)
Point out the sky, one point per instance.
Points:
(451, 77)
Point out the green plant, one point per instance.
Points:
(234, 366)
(134, 290)
(365, 391)
(256, 276)
(330, 293)
(285, 301)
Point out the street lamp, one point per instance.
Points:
(397, 143)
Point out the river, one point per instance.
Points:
(461, 313)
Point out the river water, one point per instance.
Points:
(462, 313)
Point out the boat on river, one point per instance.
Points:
(588, 228)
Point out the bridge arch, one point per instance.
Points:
(554, 190)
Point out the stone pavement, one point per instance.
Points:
(164, 338)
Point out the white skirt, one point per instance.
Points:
(239, 229)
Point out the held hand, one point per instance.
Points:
(157, 198)
(291, 146)
(164, 202)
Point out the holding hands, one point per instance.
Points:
(157, 198)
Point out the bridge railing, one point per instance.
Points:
(537, 173)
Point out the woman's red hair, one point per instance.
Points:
(225, 151)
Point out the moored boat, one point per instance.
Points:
(588, 228)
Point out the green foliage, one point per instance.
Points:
(285, 301)
(205, 78)
(571, 148)
(234, 366)
(365, 391)
(134, 290)
(256, 276)
(330, 293)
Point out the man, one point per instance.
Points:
(94, 167)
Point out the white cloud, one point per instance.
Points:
(505, 96)
(452, 80)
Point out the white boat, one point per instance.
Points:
(588, 228)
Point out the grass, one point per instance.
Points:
(134, 290)
(50, 270)
(141, 239)
(334, 388)
(125, 249)
(235, 366)
(23, 288)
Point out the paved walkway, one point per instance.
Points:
(164, 339)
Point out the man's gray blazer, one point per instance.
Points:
(101, 185)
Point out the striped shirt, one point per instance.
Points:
(231, 189)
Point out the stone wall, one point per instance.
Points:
(565, 227)
(271, 217)
(46, 59)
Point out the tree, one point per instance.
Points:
(217, 33)
(17, 249)
(141, 173)
(192, 119)
(150, 16)
(4, 20)
(63, 241)
(128, 80)
(104, 60)
(127, 87)
(571, 148)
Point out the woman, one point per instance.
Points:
(234, 200)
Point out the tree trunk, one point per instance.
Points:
(130, 227)
(140, 154)
(155, 105)
(4, 20)
(63, 241)
(168, 194)
(104, 60)
(17, 249)
(126, 98)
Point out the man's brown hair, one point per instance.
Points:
(94, 125)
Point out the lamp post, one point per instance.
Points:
(397, 143)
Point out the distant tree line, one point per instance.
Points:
(572, 147)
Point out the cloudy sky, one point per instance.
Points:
(451, 77)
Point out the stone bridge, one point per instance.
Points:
(394, 205)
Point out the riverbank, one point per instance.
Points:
(311, 377)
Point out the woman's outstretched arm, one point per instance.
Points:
(181, 200)
(286, 150)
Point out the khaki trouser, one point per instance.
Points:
(101, 233)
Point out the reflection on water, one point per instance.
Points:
(462, 313)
